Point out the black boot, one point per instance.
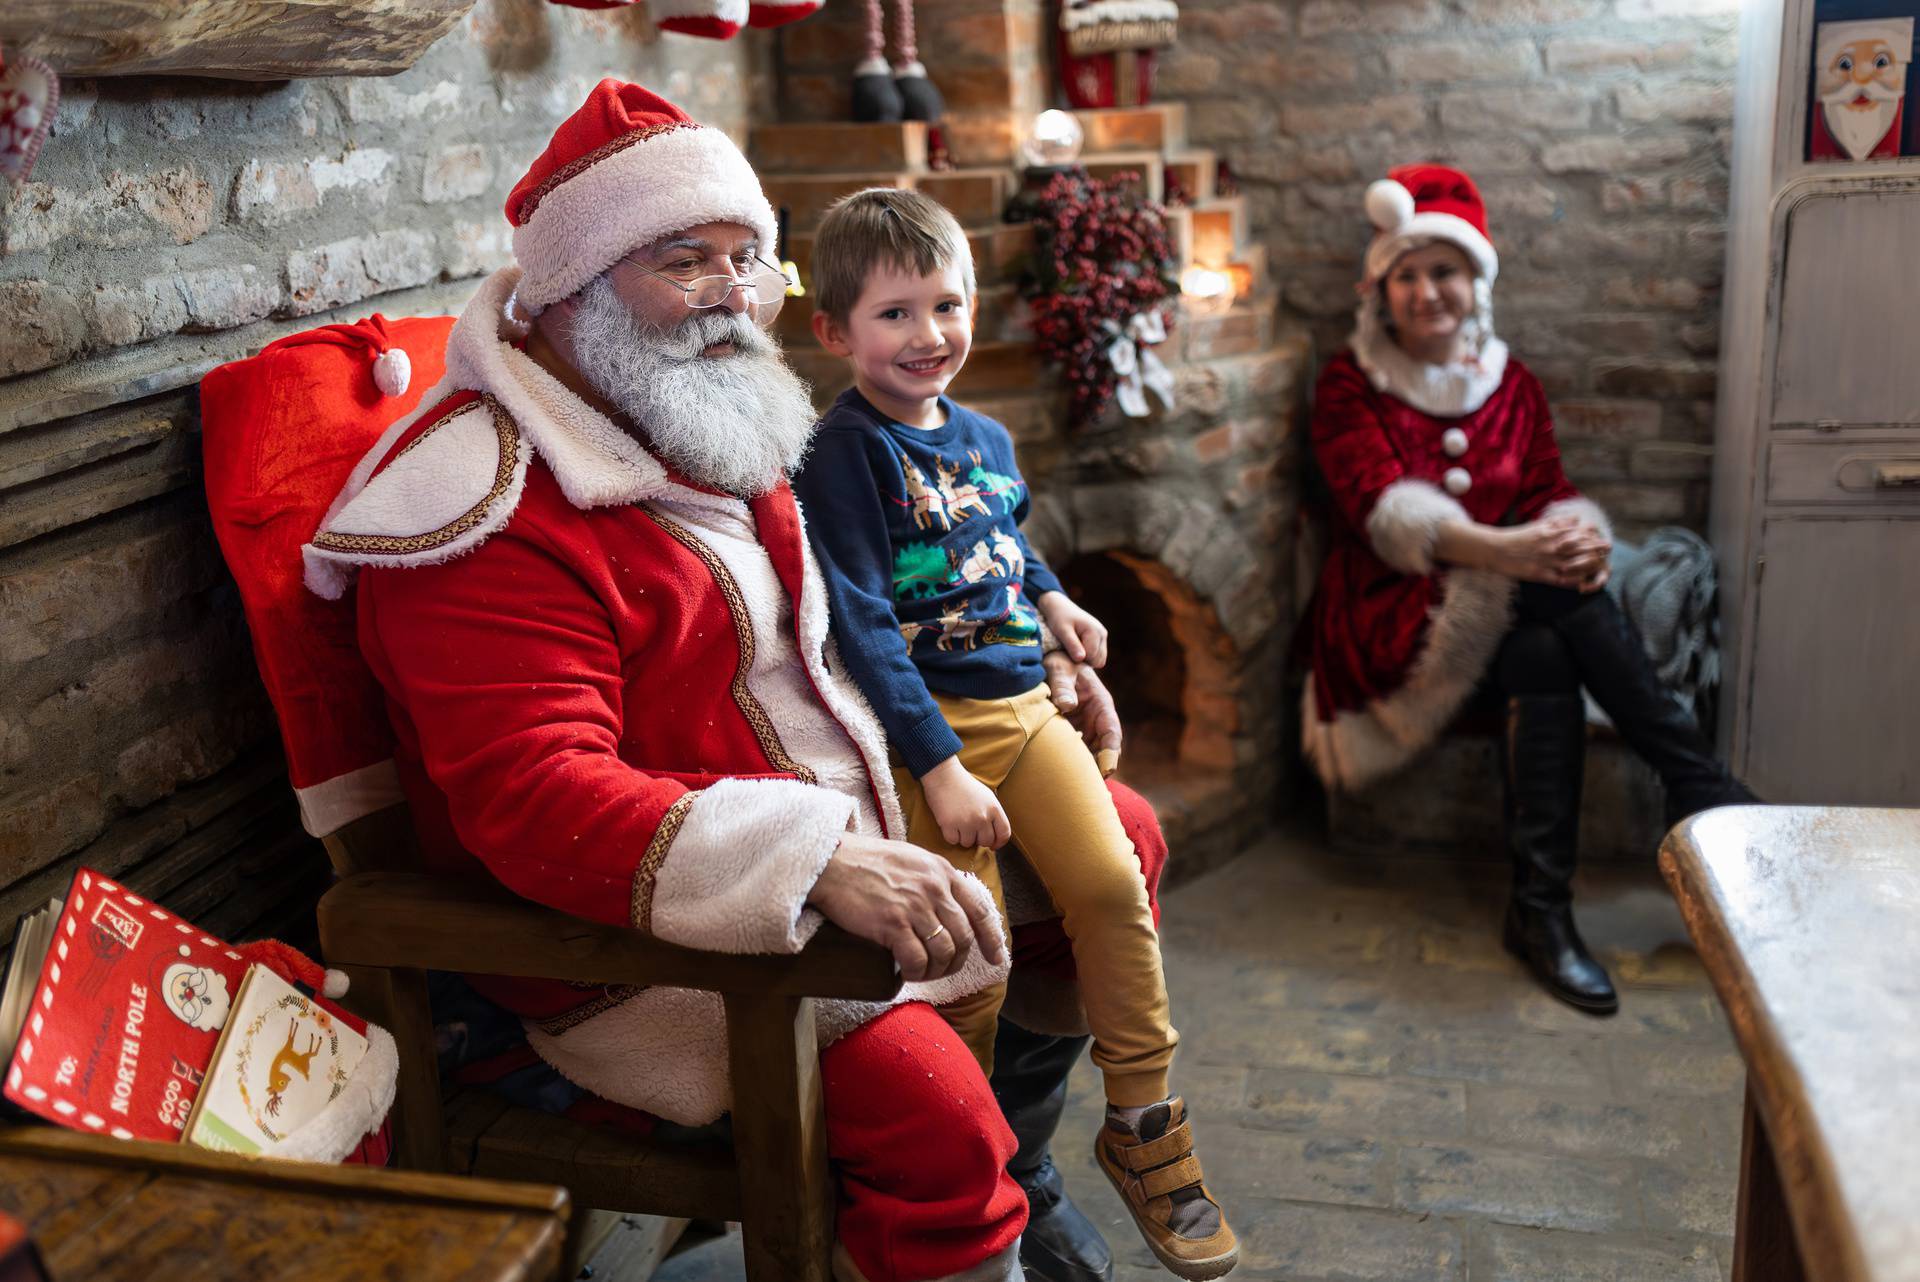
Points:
(1030, 1081)
(1546, 758)
(1614, 666)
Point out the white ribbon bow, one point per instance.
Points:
(1131, 354)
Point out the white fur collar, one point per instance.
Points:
(1445, 391)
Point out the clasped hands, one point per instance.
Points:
(1560, 551)
(905, 898)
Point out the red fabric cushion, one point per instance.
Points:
(282, 430)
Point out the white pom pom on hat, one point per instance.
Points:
(392, 371)
(1389, 204)
(334, 986)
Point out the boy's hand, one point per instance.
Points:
(1082, 636)
(966, 809)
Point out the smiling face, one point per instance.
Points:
(1429, 294)
(906, 336)
(1863, 77)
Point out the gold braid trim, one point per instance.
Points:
(606, 1001)
(402, 545)
(649, 869)
(736, 600)
(574, 168)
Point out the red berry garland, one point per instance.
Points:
(1101, 253)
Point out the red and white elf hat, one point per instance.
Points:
(1415, 204)
(626, 169)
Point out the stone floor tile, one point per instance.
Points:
(1517, 1058)
(1694, 1198)
(1559, 1121)
(1683, 1067)
(1519, 1188)
(1661, 1011)
(1543, 1255)
(1307, 1243)
(1307, 1040)
(1406, 1108)
(1242, 1163)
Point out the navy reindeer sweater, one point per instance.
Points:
(929, 581)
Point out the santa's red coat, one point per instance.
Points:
(1396, 643)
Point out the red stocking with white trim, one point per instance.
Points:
(713, 19)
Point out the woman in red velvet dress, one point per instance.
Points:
(1462, 560)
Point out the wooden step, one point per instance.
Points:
(1150, 165)
(807, 197)
(1220, 230)
(838, 148)
(1159, 129)
(1246, 328)
(972, 195)
(999, 251)
(1195, 171)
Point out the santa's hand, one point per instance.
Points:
(1082, 636)
(1085, 701)
(966, 809)
(903, 898)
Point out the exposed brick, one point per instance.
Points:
(1697, 194)
(349, 270)
(1383, 17)
(58, 601)
(1692, 103)
(122, 212)
(1630, 195)
(1399, 115)
(1666, 461)
(1662, 380)
(1639, 10)
(1575, 53)
(1505, 109)
(1671, 293)
(1528, 13)
(1610, 420)
(457, 173)
(122, 314)
(35, 831)
(43, 326)
(269, 193)
(1296, 67)
(1458, 61)
(473, 249)
(1631, 501)
(1608, 154)
(1233, 22)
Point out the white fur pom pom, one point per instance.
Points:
(392, 371)
(334, 987)
(1389, 204)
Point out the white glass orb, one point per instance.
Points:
(1056, 139)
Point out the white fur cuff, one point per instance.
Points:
(1582, 508)
(1405, 521)
(737, 875)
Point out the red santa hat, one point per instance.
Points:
(1417, 204)
(626, 169)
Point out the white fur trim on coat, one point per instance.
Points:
(665, 184)
(1405, 522)
(1445, 391)
(737, 875)
(1357, 748)
(1584, 509)
(352, 1115)
(1424, 228)
(664, 1050)
(332, 804)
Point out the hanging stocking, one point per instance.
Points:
(778, 13)
(876, 99)
(918, 97)
(714, 19)
(29, 94)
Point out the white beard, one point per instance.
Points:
(1859, 132)
(738, 423)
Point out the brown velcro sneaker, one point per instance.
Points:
(1159, 1179)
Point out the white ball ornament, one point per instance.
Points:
(392, 371)
(1389, 204)
(28, 116)
(1454, 442)
(1457, 481)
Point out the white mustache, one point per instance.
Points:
(1872, 89)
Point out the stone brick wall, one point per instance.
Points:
(1598, 130)
(173, 224)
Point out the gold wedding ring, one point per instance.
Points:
(937, 932)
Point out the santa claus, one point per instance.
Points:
(1463, 564)
(1861, 73)
(585, 588)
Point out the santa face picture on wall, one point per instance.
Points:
(1860, 86)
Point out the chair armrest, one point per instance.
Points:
(394, 920)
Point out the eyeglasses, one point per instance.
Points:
(766, 284)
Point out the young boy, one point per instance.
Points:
(913, 505)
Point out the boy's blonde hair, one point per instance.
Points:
(883, 226)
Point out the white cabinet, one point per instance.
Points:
(1816, 510)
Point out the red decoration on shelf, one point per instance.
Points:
(1102, 259)
(29, 97)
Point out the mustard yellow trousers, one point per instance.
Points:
(1064, 822)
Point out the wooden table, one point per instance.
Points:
(110, 1209)
(1808, 922)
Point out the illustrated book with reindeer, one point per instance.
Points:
(116, 1034)
(281, 1059)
